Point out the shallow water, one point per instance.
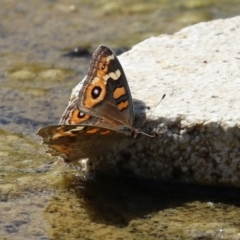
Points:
(43, 200)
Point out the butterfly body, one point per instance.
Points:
(100, 119)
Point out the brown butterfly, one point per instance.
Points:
(100, 119)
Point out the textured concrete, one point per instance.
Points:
(198, 122)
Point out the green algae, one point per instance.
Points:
(38, 72)
(21, 163)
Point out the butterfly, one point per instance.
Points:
(100, 119)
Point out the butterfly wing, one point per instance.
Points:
(104, 104)
(74, 116)
(105, 93)
(73, 142)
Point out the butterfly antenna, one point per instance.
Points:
(164, 95)
(143, 133)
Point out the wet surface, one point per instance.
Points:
(45, 51)
(117, 208)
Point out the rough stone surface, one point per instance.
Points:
(198, 122)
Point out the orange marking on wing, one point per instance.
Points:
(105, 132)
(89, 101)
(93, 130)
(75, 119)
(62, 148)
(62, 133)
(118, 92)
(103, 64)
(122, 105)
(103, 67)
(101, 74)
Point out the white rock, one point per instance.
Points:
(198, 69)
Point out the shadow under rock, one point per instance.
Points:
(117, 200)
